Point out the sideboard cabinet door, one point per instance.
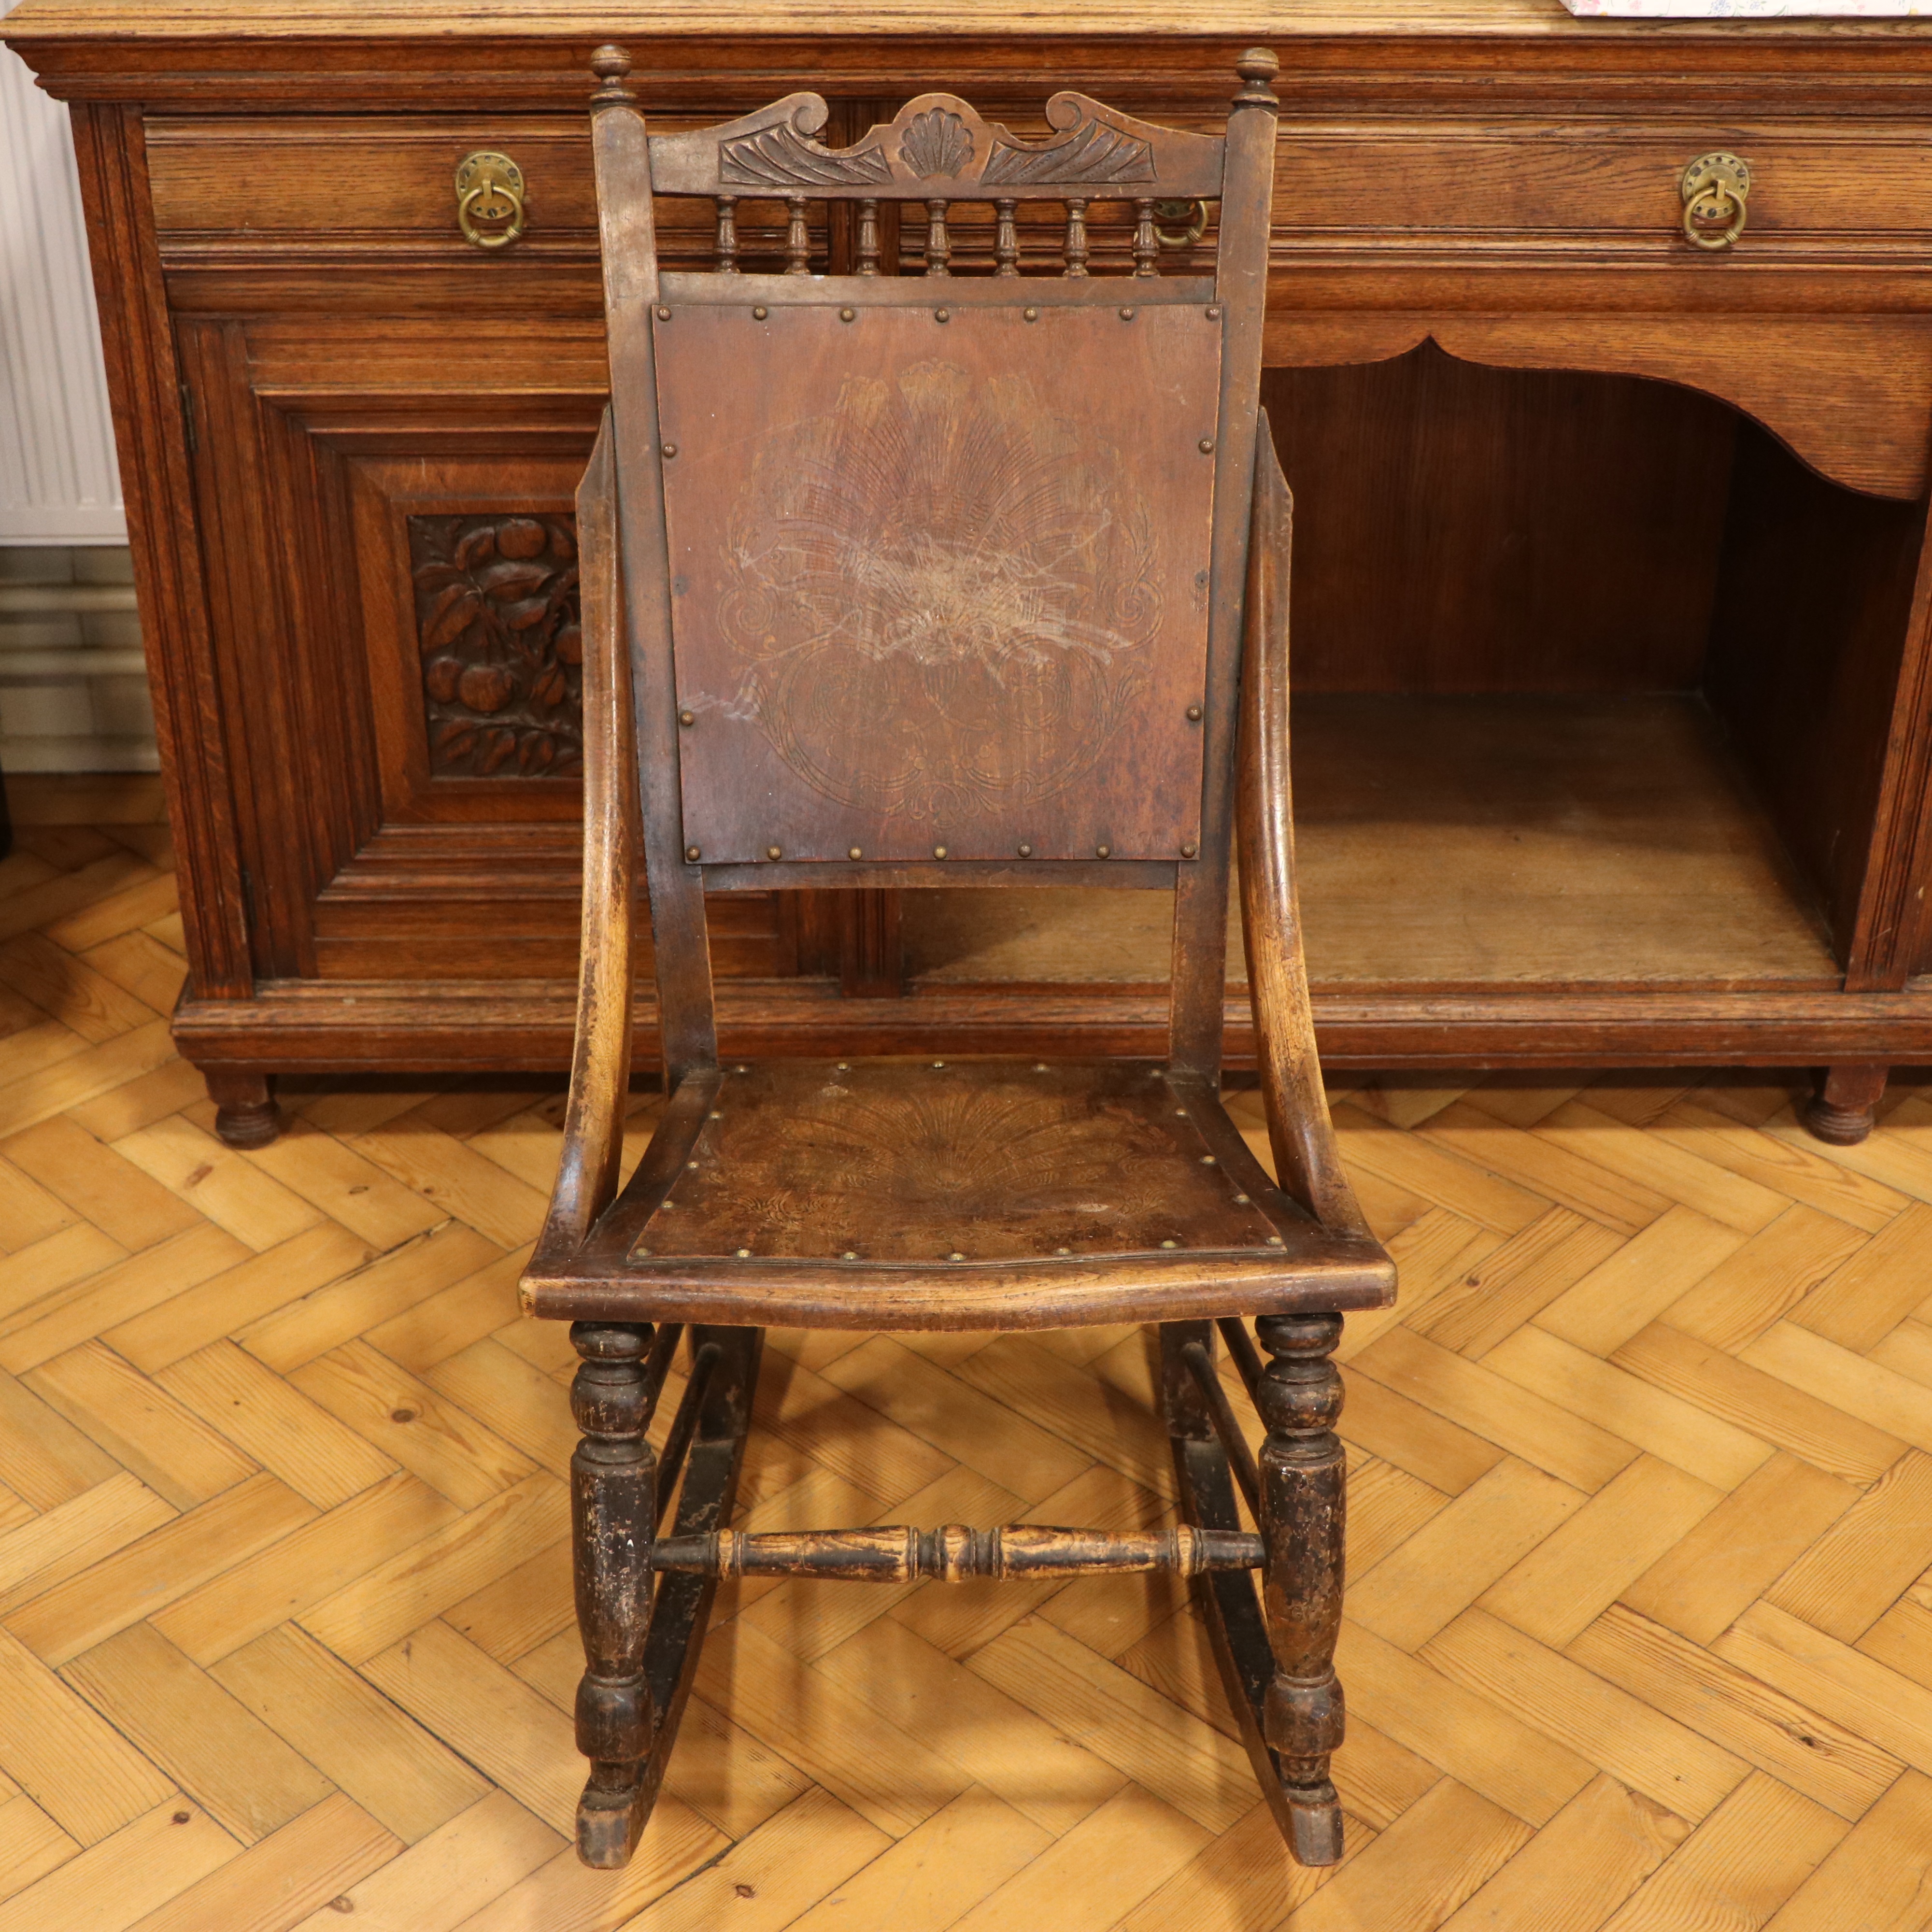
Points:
(386, 513)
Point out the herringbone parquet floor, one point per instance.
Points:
(1641, 1620)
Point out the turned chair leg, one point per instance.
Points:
(614, 1514)
(1303, 1498)
(1845, 1107)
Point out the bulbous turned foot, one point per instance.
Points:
(1845, 1107)
(244, 1106)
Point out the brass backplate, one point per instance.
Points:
(490, 199)
(1719, 171)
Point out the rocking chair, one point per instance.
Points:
(966, 579)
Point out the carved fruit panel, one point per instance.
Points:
(498, 631)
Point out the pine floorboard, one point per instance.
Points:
(1639, 1630)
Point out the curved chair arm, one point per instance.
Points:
(1307, 1163)
(593, 1123)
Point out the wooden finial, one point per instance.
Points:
(610, 65)
(1257, 67)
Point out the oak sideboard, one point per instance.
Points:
(1599, 358)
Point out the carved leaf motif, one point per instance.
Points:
(781, 157)
(502, 644)
(936, 143)
(1093, 155)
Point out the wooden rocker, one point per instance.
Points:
(965, 581)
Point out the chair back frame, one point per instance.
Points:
(936, 150)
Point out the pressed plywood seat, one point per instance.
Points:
(963, 580)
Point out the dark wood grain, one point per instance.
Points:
(1413, 198)
(1304, 1497)
(1807, 644)
(1844, 1109)
(877, 588)
(1466, 529)
(613, 1503)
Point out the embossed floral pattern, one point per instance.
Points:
(498, 629)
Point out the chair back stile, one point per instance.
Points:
(935, 579)
(626, 221)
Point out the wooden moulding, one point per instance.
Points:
(896, 1553)
(454, 1027)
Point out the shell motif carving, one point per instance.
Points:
(782, 157)
(936, 143)
(501, 650)
(943, 594)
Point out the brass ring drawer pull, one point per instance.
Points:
(1714, 187)
(1193, 213)
(489, 200)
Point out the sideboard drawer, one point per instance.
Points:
(1409, 184)
(357, 177)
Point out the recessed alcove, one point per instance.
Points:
(1592, 680)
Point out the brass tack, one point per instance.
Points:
(939, 851)
(844, 1067)
(1026, 851)
(1127, 315)
(641, 1251)
(1213, 315)
(741, 1069)
(687, 718)
(1103, 851)
(938, 1065)
(1207, 445)
(1242, 1198)
(1276, 1241)
(1040, 1066)
(758, 314)
(774, 852)
(691, 1163)
(848, 315)
(853, 852)
(1170, 1244)
(1207, 1160)
(1188, 848)
(670, 450)
(942, 315)
(744, 1254)
(1030, 315)
(715, 1115)
(664, 315)
(1180, 1113)
(1062, 1251)
(850, 1255)
(956, 1256)
(691, 852)
(1194, 714)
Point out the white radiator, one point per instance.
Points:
(58, 483)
